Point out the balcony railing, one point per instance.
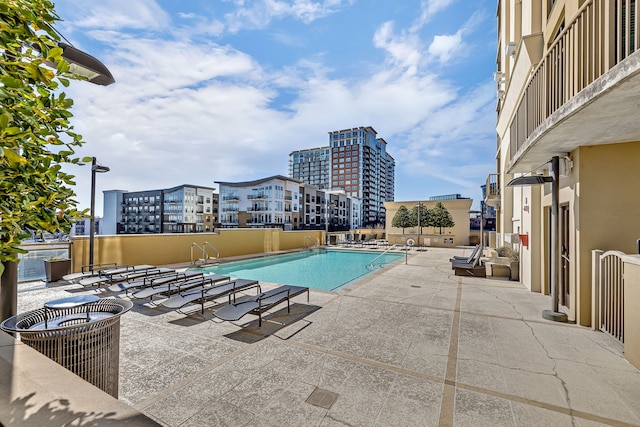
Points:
(601, 35)
(493, 186)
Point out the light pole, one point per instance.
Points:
(419, 224)
(554, 252)
(95, 168)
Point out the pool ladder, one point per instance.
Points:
(206, 259)
(315, 243)
(372, 265)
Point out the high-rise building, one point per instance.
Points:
(361, 166)
(356, 162)
(311, 166)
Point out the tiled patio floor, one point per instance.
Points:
(411, 345)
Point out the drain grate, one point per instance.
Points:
(322, 398)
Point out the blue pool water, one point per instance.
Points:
(319, 269)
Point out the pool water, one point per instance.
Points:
(319, 269)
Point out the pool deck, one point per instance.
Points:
(409, 345)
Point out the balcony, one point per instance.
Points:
(583, 89)
(492, 196)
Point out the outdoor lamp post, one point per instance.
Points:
(552, 314)
(95, 168)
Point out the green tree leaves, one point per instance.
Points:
(36, 137)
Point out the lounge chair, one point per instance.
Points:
(261, 303)
(108, 278)
(178, 286)
(88, 270)
(473, 268)
(467, 259)
(207, 293)
(152, 280)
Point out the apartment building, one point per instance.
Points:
(361, 166)
(270, 202)
(356, 162)
(182, 209)
(567, 84)
(311, 166)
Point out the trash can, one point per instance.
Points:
(81, 333)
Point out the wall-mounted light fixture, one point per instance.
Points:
(552, 314)
(510, 49)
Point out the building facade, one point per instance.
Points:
(312, 166)
(182, 209)
(355, 162)
(361, 166)
(567, 83)
(263, 203)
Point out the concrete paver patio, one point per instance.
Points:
(409, 345)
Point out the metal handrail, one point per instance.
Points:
(371, 265)
(315, 242)
(211, 246)
(205, 255)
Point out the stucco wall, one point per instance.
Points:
(459, 210)
(163, 249)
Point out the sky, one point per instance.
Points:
(224, 90)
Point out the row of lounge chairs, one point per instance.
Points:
(189, 287)
(469, 266)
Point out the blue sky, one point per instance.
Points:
(224, 90)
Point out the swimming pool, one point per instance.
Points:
(319, 269)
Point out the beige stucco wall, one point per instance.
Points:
(606, 210)
(632, 310)
(163, 249)
(459, 210)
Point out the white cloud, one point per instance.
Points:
(185, 112)
(445, 47)
(259, 13)
(120, 15)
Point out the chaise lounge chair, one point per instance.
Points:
(473, 268)
(467, 259)
(208, 293)
(110, 277)
(160, 279)
(179, 286)
(89, 270)
(261, 303)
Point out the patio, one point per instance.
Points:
(409, 345)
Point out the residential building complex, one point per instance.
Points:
(356, 162)
(286, 203)
(567, 84)
(312, 166)
(182, 209)
(268, 202)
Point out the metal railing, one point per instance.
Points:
(212, 247)
(31, 265)
(608, 293)
(205, 255)
(315, 243)
(601, 35)
(372, 265)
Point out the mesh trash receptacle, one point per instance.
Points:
(80, 333)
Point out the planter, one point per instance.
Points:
(515, 270)
(56, 269)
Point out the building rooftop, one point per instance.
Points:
(409, 345)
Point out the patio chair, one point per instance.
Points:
(207, 293)
(473, 268)
(178, 286)
(261, 303)
(152, 280)
(110, 277)
(466, 258)
(89, 270)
